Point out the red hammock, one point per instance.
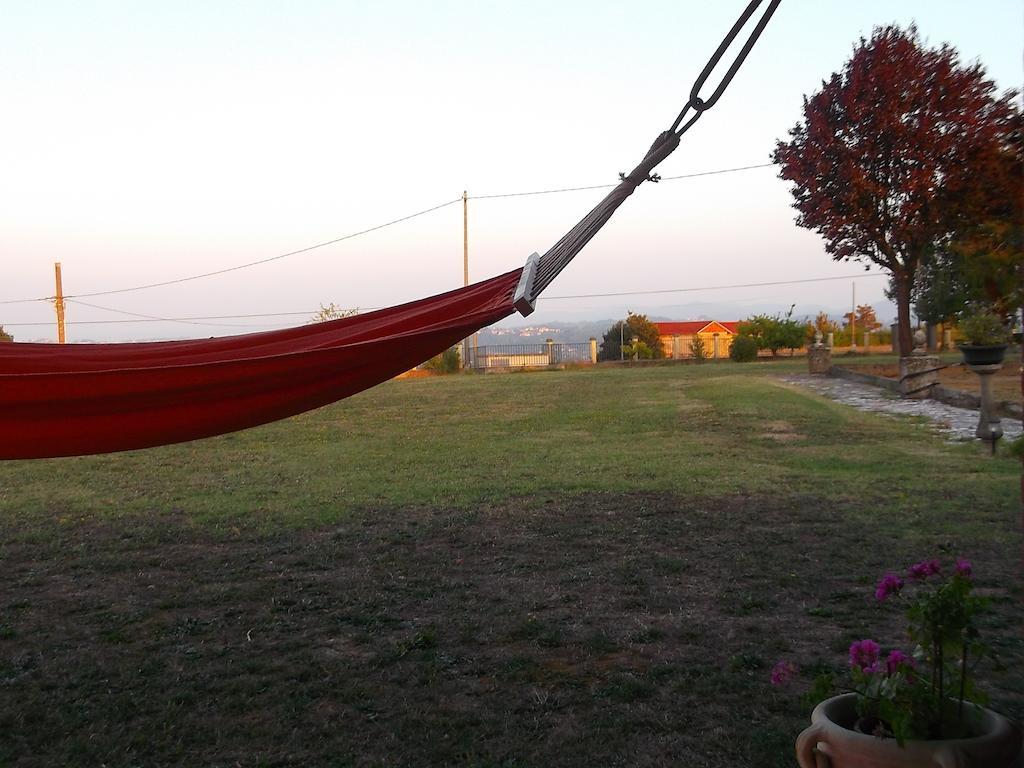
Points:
(96, 398)
(67, 400)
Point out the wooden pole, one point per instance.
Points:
(853, 317)
(58, 303)
(465, 238)
(465, 262)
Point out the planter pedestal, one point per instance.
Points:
(989, 429)
(986, 360)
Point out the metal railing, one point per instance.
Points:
(505, 356)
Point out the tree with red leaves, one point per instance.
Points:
(882, 163)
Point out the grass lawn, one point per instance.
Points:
(580, 568)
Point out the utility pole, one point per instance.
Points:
(465, 274)
(465, 239)
(853, 319)
(58, 303)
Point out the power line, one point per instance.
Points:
(148, 318)
(122, 322)
(243, 266)
(710, 287)
(608, 186)
(309, 313)
(715, 173)
(25, 301)
(271, 258)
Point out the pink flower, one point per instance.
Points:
(864, 655)
(896, 660)
(783, 672)
(963, 568)
(890, 584)
(924, 569)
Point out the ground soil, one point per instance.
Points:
(627, 629)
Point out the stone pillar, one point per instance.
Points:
(551, 351)
(675, 348)
(819, 357)
(918, 372)
(714, 344)
(831, 340)
(593, 350)
(947, 339)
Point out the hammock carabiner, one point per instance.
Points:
(696, 103)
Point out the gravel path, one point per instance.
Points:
(958, 423)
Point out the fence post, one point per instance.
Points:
(551, 351)
(593, 350)
(831, 340)
(715, 344)
(675, 347)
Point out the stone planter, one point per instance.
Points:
(830, 742)
(983, 354)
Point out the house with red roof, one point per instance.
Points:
(677, 337)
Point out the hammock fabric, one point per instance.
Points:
(72, 399)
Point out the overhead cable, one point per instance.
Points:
(311, 313)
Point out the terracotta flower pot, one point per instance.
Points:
(830, 742)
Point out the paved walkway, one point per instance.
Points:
(958, 423)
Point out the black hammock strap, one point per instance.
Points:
(541, 271)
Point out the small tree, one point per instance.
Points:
(634, 327)
(866, 320)
(825, 324)
(332, 312)
(4, 335)
(775, 332)
(697, 348)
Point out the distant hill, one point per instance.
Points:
(565, 332)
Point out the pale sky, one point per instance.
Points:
(145, 141)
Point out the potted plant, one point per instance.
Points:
(987, 336)
(904, 710)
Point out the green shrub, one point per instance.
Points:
(743, 349)
(638, 350)
(446, 362)
(982, 326)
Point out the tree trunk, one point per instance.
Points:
(902, 286)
